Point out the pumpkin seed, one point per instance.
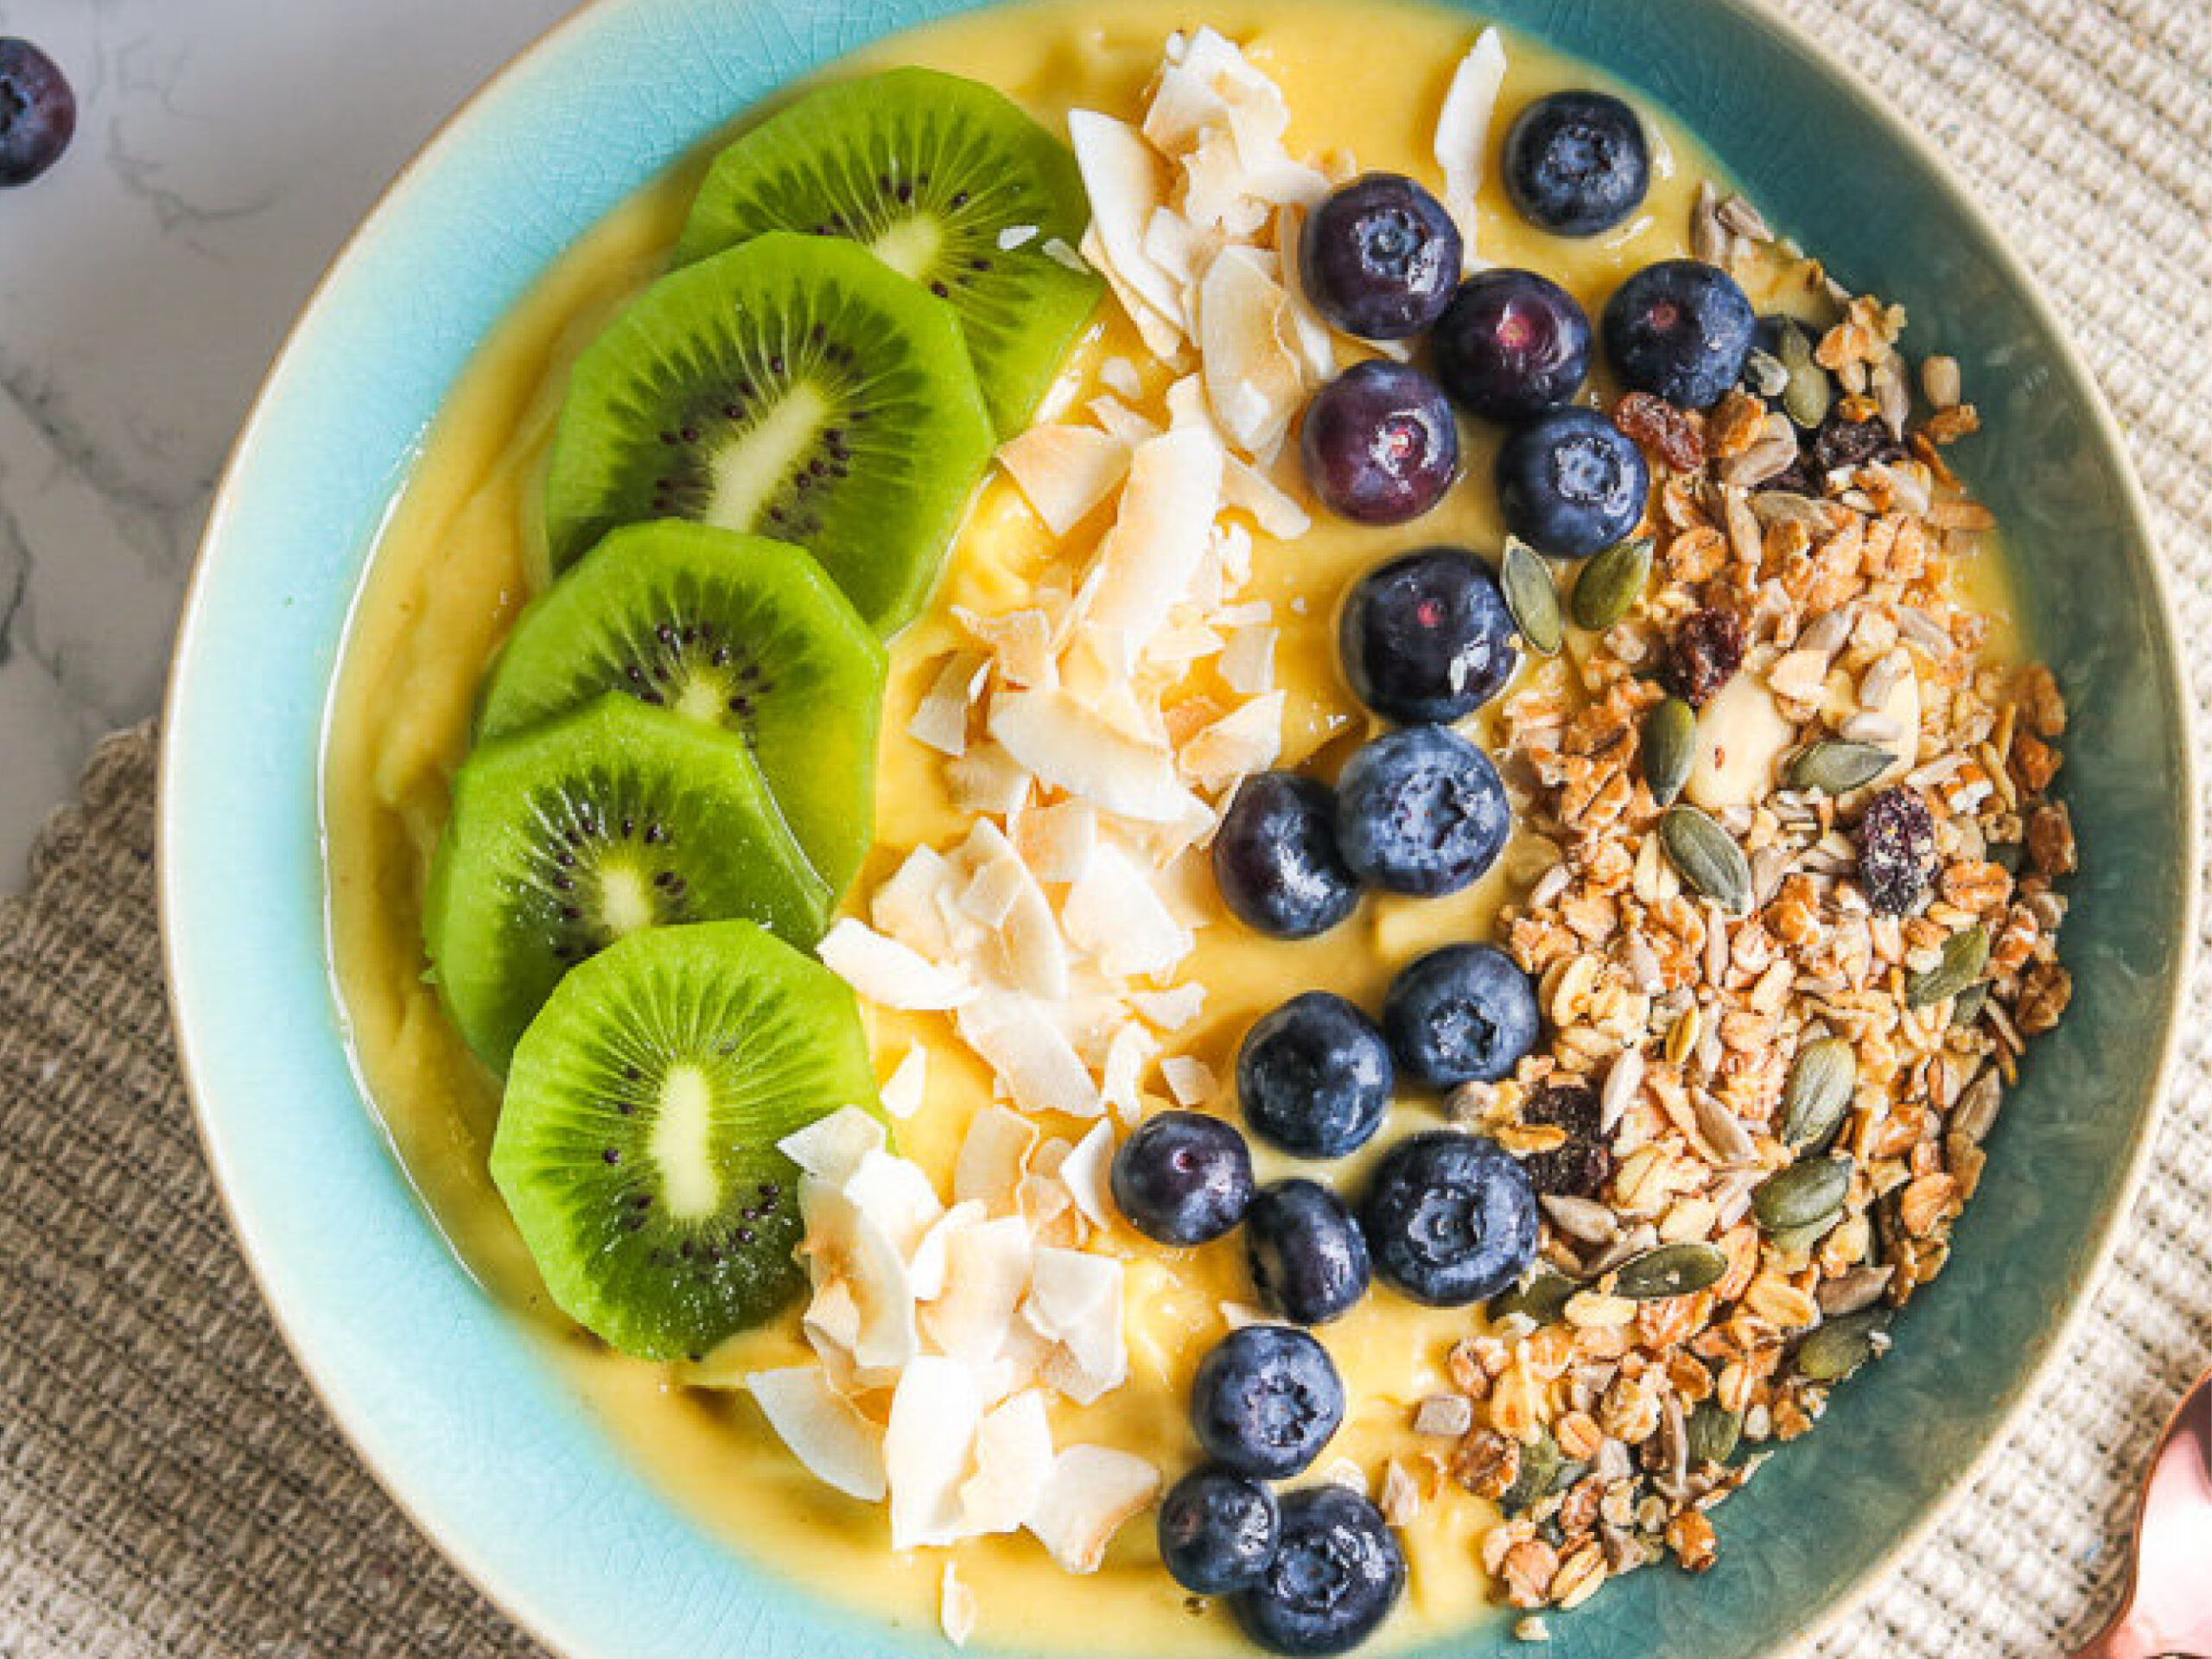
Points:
(1966, 953)
(1713, 1432)
(1801, 1194)
(1531, 597)
(1968, 1008)
(1834, 767)
(1671, 1270)
(1805, 400)
(1841, 1346)
(1813, 1101)
(1706, 857)
(1610, 583)
(1541, 1464)
(1669, 741)
(1800, 1240)
(1543, 1298)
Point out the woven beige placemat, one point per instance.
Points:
(169, 1487)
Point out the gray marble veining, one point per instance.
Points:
(225, 148)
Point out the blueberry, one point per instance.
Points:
(1266, 1401)
(1276, 857)
(1379, 443)
(1309, 1262)
(38, 112)
(1337, 1573)
(1182, 1178)
(1570, 482)
(1218, 1531)
(1576, 163)
(1314, 1076)
(1465, 1014)
(1421, 810)
(1450, 1218)
(1427, 636)
(1379, 256)
(1512, 345)
(1680, 330)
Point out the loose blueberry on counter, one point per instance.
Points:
(1182, 1178)
(1337, 1573)
(1314, 1076)
(1276, 859)
(1421, 812)
(38, 112)
(1571, 483)
(1266, 1401)
(1426, 637)
(1450, 1218)
(1379, 256)
(1465, 1014)
(1379, 443)
(1679, 330)
(1218, 1531)
(1309, 1262)
(1511, 345)
(1577, 163)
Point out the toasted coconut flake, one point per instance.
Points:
(987, 779)
(1309, 334)
(993, 1159)
(830, 1148)
(1189, 1079)
(1075, 1302)
(1145, 562)
(1065, 470)
(1122, 1075)
(1126, 181)
(934, 1413)
(837, 1445)
(1119, 375)
(1069, 747)
(1093, 1490)
(1020, 644)
(907, 905)
(896, 1195)
(941, 718)
(1272, 508)
(1248, 661)
(1013, 1462)
(1026, 950)
(1124, 422)
(903, 1091)
(986, 1275)
(845, 1245)
(1116, 913)
(1463, 128)
(1244, 741)
(1162, 336)
(929, 1263)
(1056, 841)
(885, 972)
(1254, 379)
(955, 1602)
(831, 1323)
(1017, 1039)
(1170, 1010)
(1084, 1172)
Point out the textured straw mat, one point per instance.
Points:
(168, 1486)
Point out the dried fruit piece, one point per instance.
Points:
(1578, 1168)
(1705, 651)
(1658, 426)
(1842, 441)
(1896, 851)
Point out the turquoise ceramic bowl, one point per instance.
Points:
(447, 1400)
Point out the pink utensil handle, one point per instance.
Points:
(2168, 1605)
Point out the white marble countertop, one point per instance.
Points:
(223, 151)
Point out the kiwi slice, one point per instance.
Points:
(570, 835)
(735, 632)
(637, 1141)
(928, 172)
(796, 387)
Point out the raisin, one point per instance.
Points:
(1657, 425)
(1707, 648)
(1579, 1167)
(1843, 443)
(1796, 479)
(1896, 851)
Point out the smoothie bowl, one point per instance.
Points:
(1306, 828)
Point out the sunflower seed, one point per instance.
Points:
(1622, 1083)
(1976, 1113)
(1610, 583)
(1580, 1218)
(1814, 1100)
(1966, 953)
(1802, 1195)
(1841, 1346)
(1671, 1270)
(1724, 1131)
(1531, 597)
(1763, 374)
(1746, 221)
(1859, 1288)
(1834, 767)
(1870, 729)
(1704, 856)
(1669, 743)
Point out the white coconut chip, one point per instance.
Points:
(1065, 470)
(836, 1445)
(830, 1148)
(930, 1261)
(1254, 380)
(1124, 422)
(1462, 129)
(1040, 1071)
(1020, 643)
(955, 1602)
(1170, 1010)
(905, 905)
(1004, 897)
(987, 781)
(1056, 840)
(1075, 1302)
(993, 1157)
(831, 1323)
(1118, 374)
(1122, 1075)
(1013, 1462)
(1069, 747)
(1086, 1171)
(986, 1275)
(940, 720)
(1092, 1491)
(1248, 660)
(903, 1091)
(1114, 913)
(884, 971)
(1274, 509)
(1162, 335)
(1189, 1079)
(1125, 180)
(1145, 562)
(934, 1412)
(1242, 741)
(846, 1246)
(896, 1195)
(1309, 334)
(1236, 1315)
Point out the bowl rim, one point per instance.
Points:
(511, 1601)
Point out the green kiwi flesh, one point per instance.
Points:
(928, 171)
(795, 387)
(636, 1146)
(578, 832)
(737, 632)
